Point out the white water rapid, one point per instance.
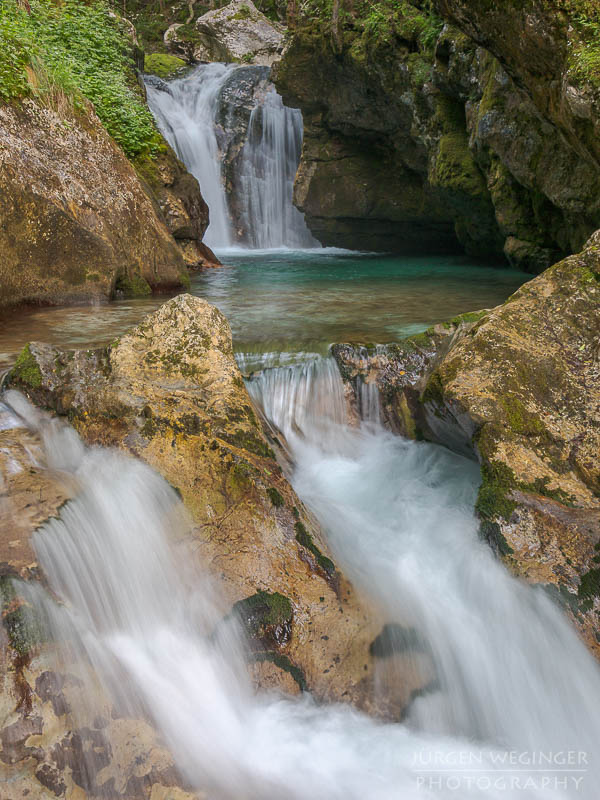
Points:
(200, 115)
(513, 676)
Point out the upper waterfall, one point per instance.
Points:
(231, 129)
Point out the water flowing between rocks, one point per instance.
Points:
(399, 520)
(508, 674)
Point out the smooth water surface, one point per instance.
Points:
(292, 301)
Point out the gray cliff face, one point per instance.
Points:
(434, 151)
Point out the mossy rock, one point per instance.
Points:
(275, 497)
(132, 286)
(26, 369)
(267, 618)
(163, 65)
(20, 621)
(304, 538)
(284, 663)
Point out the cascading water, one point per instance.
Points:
(185, 112)
(511, 670)
(512, 674)
(230, 128)
(268, 167)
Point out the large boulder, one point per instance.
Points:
(181, 204)
(236, 32)
(518, 388)
(76, 222)
(171, 393)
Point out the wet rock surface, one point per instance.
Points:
(170, 392)
(517, 387)
(462, 145)
(76, 219)
(45, 752)
(181, 204)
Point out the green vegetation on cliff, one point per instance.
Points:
(585, 55)
(382, 22)
(69, 52)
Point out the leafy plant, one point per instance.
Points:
(63, 53)
(585, 56)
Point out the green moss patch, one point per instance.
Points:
(19, 619)
(267, 618)
(26, 369)
(468, 317)
(163, 65)
(520, 420)
(251, 441)
(304, 538)
(133, 286)
(284, 663)
(275, 497)
(243, 13)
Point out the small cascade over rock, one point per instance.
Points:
(230, 128)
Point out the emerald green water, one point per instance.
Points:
(282, 302)
(292, 301)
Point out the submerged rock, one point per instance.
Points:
(170, 392)
(75, 216)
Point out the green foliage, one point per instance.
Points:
(383, 22)
(585, 56)
(15, 45)
(188, 33)
(68, 51)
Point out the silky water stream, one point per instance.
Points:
(516, 690)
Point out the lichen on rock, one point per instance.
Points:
(66, 237)
(236, 32)
(422, 136)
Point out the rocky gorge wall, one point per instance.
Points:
(424, 135)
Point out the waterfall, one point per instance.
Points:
(185, 113)
(268, 166)
(513, 676)
(230, 128)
